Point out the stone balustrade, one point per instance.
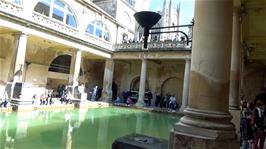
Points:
(98, 41)
(8, 7)
(161, 45)
(56, 25)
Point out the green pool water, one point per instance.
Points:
(79, 128)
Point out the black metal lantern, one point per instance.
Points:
(147, 19)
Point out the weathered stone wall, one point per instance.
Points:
(37, 74)
(93, 73)
(253, 81)
(6, 49)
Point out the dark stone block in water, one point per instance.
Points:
(138, 141)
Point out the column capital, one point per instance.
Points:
(109, 59)
(143, 56)
(78, 50)
(187, 60)
(19, 34)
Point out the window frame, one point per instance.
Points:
(67, 10)
(99, 25)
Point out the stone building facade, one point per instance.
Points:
(45, 43)
(55, 43)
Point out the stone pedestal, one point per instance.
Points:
(236, 121)
(82, 102)
(21, 105)
(193, 141)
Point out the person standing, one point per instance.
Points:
(4, 100)
(172, 103)
(50, 97)
(149, 96)
(94, 92)
(259, 124)
(246, 131)
(158, 99)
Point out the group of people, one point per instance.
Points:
(43, 99)
(168, 101)
(131, 97)
(253, 124)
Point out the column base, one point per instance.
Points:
(236, 121)
(182, 109)
(236, 107)
(80, 103)
(106, 99)
(140, 104)
(106, 96)
(190, 137)
(21, 105)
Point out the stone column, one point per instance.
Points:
(234, 94)
(186, 85)
(17, 65)
(235, 64)
(72, 68)
(107, 92)
(78, 57)
(19, 100)
(142, 83)
(19, 60)
(74, 72)
(206, 121)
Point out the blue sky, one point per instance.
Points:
(186, 10)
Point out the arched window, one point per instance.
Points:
(98, 29)
(58, 10)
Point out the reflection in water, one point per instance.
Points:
(84, 128)
(7, 133)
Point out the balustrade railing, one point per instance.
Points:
(162, 38)
(10, 7)
(56, 25)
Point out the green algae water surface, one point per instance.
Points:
(79, 128)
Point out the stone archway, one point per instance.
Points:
(173, 86)
(58, 72)
(61, 64)
(134, 85)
